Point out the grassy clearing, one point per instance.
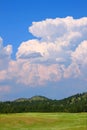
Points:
(43, 121)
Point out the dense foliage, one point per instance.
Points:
(76, 103)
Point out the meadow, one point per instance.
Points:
(43, 121)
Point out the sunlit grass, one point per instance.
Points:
(43, 121)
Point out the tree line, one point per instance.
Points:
(76, 103)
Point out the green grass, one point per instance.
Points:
(43, 121)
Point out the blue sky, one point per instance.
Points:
(42, 48)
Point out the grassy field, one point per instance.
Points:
(43, 121)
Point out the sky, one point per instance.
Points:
(43, 48)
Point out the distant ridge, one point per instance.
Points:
(39, 98)
(34, 98)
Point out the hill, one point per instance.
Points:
(75, 103)
(34, 98)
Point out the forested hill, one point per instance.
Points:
(75, 103)
(34, 98)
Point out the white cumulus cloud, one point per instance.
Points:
(58, 51)
(60, 41)
(5, 54)
(58, 38)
